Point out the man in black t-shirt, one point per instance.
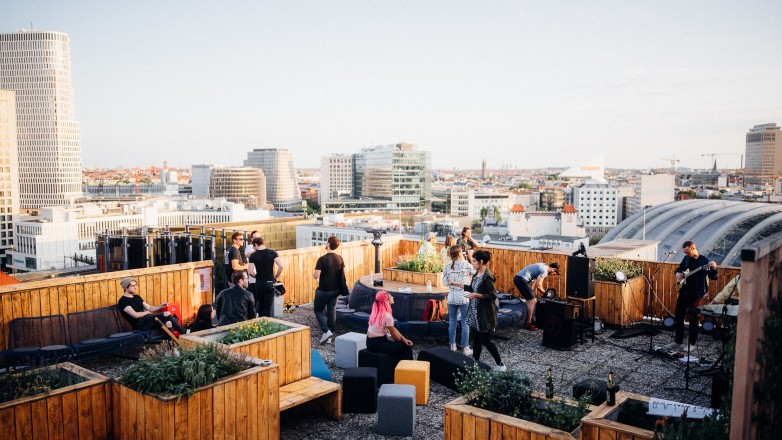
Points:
(261, 266)
(234, 258)
(330, 273)
(141, 315)
(694, 270)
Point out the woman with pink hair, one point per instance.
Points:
(382, 336)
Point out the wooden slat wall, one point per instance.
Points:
(761, 282)
(174, 283)
(468, 422)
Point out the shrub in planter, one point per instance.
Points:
(429, 263)
(16, 384)
(252, 330)
(169, 370)
(606, 268)
(510, 393)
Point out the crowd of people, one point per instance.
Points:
(471, 299)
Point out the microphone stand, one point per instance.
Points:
(725, 323)
(652, 291)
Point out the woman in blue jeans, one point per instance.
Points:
(456, 274)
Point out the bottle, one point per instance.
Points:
(429, 286)
(610, 390)
(549, 384)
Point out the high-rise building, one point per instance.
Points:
(651, 190)
(282, 189)
(399, 173)
(9, 172)
(37, 66)
(336, 177)
(764, 152)
(245, 185)
(597, 204)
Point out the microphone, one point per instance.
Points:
(670, 253)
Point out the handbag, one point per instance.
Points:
(279, 289)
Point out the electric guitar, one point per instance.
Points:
(688, 273)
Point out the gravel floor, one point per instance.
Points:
(635, 370)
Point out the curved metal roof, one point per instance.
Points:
(719, 228)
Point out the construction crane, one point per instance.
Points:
(714, 158)
(673, 161)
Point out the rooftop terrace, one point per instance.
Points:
(636, 369)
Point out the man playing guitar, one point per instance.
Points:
(693, 285)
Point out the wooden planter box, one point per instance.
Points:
(602, 423)
(244, 405)
(620, 304)
(465, 421)
(80, 411)
(417, 278)
(290, 349)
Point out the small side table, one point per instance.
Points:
(586, 324)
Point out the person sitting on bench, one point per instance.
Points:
(141, 315)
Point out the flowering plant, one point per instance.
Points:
(252, 330)
(426, 262)
(606, 268)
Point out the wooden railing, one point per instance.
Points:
(181, 282)
(175, 283)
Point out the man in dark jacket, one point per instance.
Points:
(236, 303)
(692, 275)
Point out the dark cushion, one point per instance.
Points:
(359, 390)
(444, 363)
(385, 364)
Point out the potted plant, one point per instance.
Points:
(503, 405)
(285, 343)
(619, 303)
(200, 391)
(418, 269)
(62, 398)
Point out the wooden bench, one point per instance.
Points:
(320, 395)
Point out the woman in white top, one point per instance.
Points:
(381, 321)
(445, 252)
(456, 274)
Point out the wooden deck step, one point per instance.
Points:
(327, 396)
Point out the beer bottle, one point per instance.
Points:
(611, 390)
(549, 384)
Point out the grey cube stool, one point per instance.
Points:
(396, 410)
(347, 347)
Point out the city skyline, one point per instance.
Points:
(505, 81)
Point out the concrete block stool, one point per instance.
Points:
(414, 373)
(384, 362)
(347, 347)
(359, 390)
(396, 410)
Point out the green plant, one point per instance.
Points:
(510, 393)
(169, 370)
(428, 263)
(252, 330)
(15, 384)
(606, 268)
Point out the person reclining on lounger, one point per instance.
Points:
(141, 315)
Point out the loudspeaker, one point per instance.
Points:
(577, 282)
(559, 325)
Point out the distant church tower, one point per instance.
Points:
(484, 174)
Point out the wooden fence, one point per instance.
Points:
(182, 282)
(175, 283)
(761, 282)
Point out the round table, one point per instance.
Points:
(408, 306)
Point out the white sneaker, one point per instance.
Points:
(326, 336)
(467, 350)
(500, 368)
(673, 346)
(453, 347)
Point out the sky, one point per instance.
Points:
(522, 84)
